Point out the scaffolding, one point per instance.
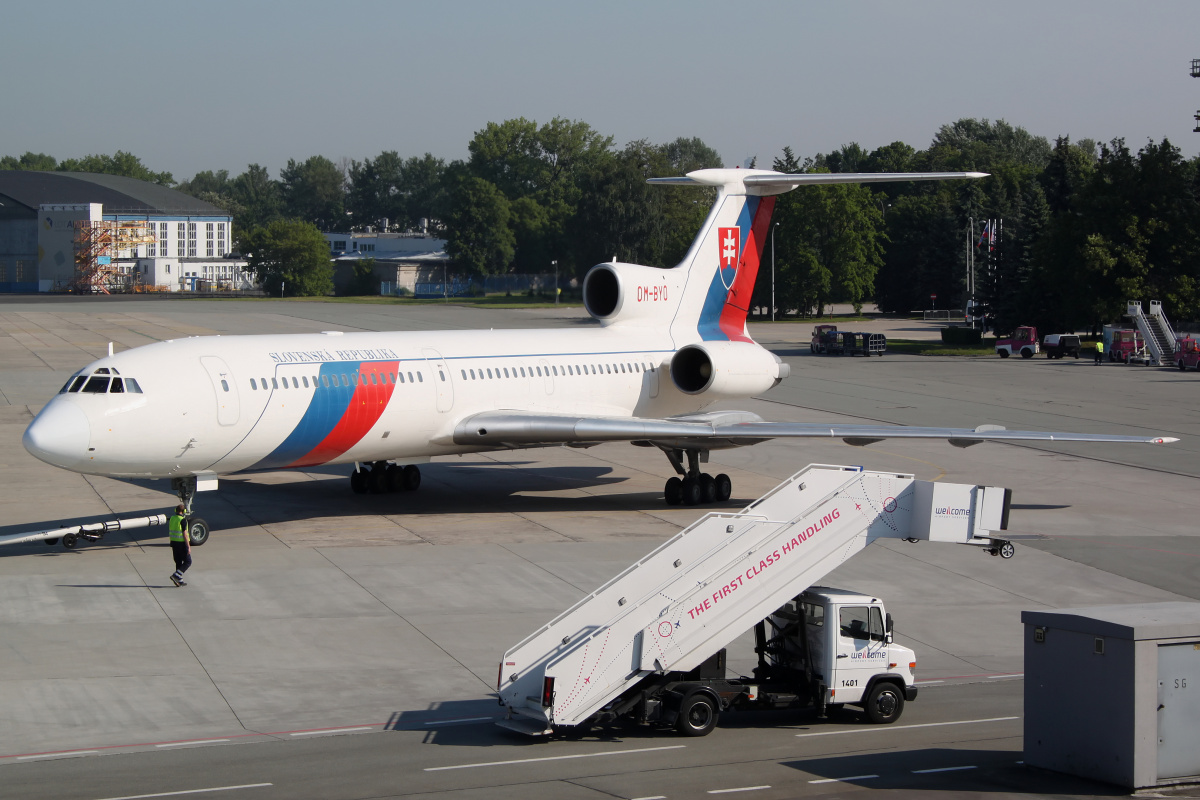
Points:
(98, 245)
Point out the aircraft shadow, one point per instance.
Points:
(948, 771)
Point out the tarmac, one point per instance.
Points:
(313, 610)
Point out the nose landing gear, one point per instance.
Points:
(197, 528)
(695, 487)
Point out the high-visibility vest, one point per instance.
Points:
(176, 529)
(1099, 347)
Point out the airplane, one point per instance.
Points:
(670, 343)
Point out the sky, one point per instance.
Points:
(219, 85)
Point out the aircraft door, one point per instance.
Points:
(443, 378)
(547, 375)
(225, 387)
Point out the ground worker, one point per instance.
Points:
(1099, 350)
(181, 544)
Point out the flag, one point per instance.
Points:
(986, 236)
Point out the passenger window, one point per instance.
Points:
(402, 377)
(354, 378)
(116, 387)
(253, 384)
(96, 385)
(295, 383)
(442, 374)
(345, 380)
(335, 380)
(420, 378)
(522, 372)
(305, 379)
(464, 374)
(274, 383)
(539, 371)
(472, 374)
(325, 381)
(224, 385)
(392, 376)
(853, 621)
(555, 369)
(489, 374)
(131, 385)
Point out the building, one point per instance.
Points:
(403, 261)
(64, 230)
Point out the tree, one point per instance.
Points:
(291, 255)
(314, 191)
(30, 161)
(479, 237)
(120, 163)
(259, 197)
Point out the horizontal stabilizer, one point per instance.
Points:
(765, 181)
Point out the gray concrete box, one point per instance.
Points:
(1112, 693)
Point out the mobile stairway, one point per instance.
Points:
(693, 595)
(1156, 332)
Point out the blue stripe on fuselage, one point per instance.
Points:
(325, 410)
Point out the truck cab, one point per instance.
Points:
(1062, 344)
(1127, 345)
(1187, 353)
(839, 644)
(1024, 340)
(822, 337)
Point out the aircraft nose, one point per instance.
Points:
(59, 435)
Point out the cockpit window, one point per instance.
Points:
(131, 385)
(74, 383)
(116, 387)
(102, 371)
(96, 385)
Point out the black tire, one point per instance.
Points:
(708, 489)
(50, 542)
(377, 481)
(412, 477)
(885, 703)
(69, 541)
(1182, 367)
(673, 491)
(358, 482)
(692, 493)
(812, 347)
(198, 531)
(1003, 353)
(1026, 353)
(724, 487)
(1007, 550)
(697, 716)
(395, 478)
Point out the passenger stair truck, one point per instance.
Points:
(648, 645)
(1155, 330)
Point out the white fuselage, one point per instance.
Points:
(225, 404)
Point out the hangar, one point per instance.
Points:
(60, 230)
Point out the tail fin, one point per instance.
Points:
(723, 262)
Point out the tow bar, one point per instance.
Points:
(92, 531)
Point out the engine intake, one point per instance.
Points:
(735, 369)
(624, 293)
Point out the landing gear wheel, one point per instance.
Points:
(724, 487)
(69, 541)
(1007, 550)
(50, 542)
(885, 703)
(708, 488)
(395, 478)
(198, 531)
(697, 716)
(692, 493)
(673, 491)
(358, 481)
(412, 477)
(377, 480)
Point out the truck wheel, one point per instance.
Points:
(1003, 353)
(1007, 550)
(1026, 353)
(1181, 366)
(697, 716)
(885, 703)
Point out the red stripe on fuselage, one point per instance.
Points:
(737, 303)
(366, 407)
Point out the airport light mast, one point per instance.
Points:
(1196, 74)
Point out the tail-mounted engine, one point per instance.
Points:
(631, 293)
(737, 369)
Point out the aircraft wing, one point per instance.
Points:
(723, 429)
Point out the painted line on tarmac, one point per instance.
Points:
(60, 754)
(192, 741)
(324, 731)
(653, 797)
(877, 728)
(455, 721)
(925, 683)
(557, 758)
(192, 791)
(739, 789)
(1007, 675)
(940, 769)
(842, 780)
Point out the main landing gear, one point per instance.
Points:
(384, 477)
(695, 487)
(198, 529)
